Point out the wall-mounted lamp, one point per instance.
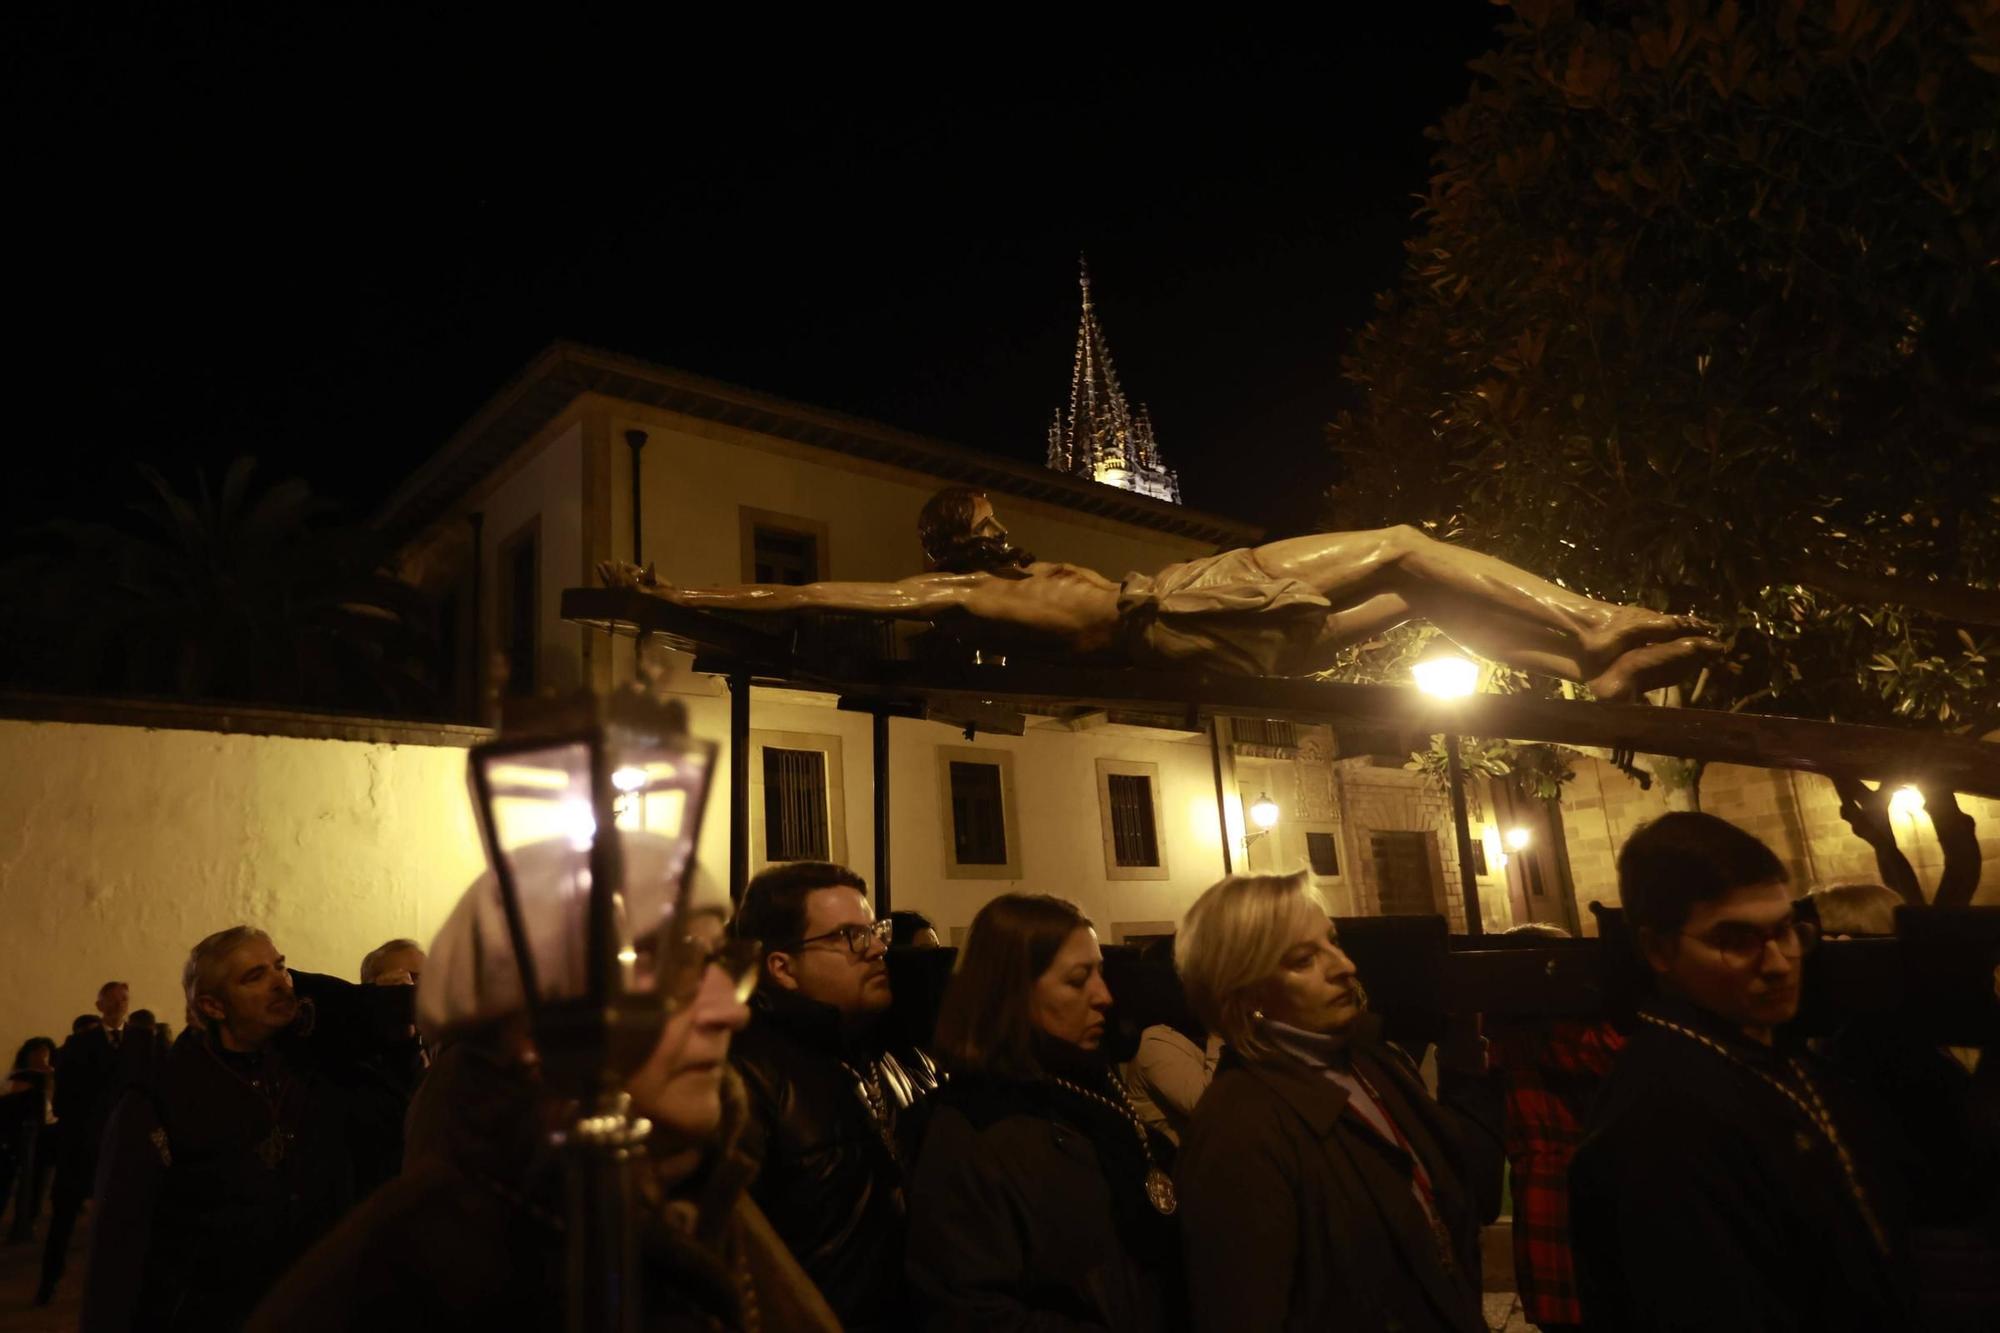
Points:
(1264, 814)
(1518, 839)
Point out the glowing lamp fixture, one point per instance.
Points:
(1518, 839)
(1264, 812)
(1446, 676)
(1906, 801)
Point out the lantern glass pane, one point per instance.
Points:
(544, 826)
(659, 786)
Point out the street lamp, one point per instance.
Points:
(1451, 677)
(589, 808)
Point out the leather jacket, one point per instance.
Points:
(829, 1180)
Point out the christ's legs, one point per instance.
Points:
(1507, 639)
(1340, 565)
(1499, 638)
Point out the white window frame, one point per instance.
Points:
(1132, 768)
(836, 796)
(1340, 849)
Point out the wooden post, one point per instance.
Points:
(881, 757)
(1215, 725)
(739, 785)
(1460, 825)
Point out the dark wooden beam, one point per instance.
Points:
(1883, 753)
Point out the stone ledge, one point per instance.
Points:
(234, 719)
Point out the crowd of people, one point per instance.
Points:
(1259, 1154)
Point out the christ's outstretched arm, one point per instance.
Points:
(918, 598)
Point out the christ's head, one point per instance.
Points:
(962, 535)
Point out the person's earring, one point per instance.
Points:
(1257, 1014)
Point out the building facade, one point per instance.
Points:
(1127, 817)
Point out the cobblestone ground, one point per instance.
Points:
(19, 1267)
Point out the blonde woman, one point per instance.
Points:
(1320, 1185)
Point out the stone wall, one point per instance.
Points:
(1797, 814)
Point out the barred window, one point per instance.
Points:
(1134, 838)
(795, 805)
(978, 817)
(1404, 881)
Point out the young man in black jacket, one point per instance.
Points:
(1727, 1181)
(826, 1095)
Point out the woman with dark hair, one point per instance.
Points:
(26, 1134)
(1039, 1199)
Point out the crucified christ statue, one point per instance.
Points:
(1282, 609)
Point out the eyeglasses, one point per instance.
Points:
(858, 938)
(690, 958)
(1743, 944)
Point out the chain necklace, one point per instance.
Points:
(869, 1085)
(1159, 1185)
(270, 1085)
(1811, 1105)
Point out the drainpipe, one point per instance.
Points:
(635, 440)
(480, 657)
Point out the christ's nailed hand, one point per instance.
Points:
(624, 574)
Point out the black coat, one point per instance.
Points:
(213, 1181)
(222, 1169)
(471, 1235)
(1028, 1211)
(86, 1079)
(1296, 1214)
(827, 1179)
(1701, 1198)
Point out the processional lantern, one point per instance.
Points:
(590, 808)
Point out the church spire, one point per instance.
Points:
(1100, 438)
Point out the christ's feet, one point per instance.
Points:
(1625, 628)
(1633, 673)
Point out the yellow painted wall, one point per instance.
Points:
(122, 846)
(698, 473)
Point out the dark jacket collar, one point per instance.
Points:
(1684, 1013)
(811, 1024)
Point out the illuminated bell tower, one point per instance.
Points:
(1101, 438)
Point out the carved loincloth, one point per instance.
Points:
(1222, 612)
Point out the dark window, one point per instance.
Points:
(449, 650)
(1135, 841)
(794, 805)
(781, 556)
(1479, 857)
(1323, 851)
(978, 820)
(519, 574)
(1264, 731)
(1403, 873)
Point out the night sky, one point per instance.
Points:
(326, 239)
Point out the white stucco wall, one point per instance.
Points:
(122, 846)
(697, 474)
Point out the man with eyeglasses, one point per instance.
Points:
(826, 1094)
(1727, 1180)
